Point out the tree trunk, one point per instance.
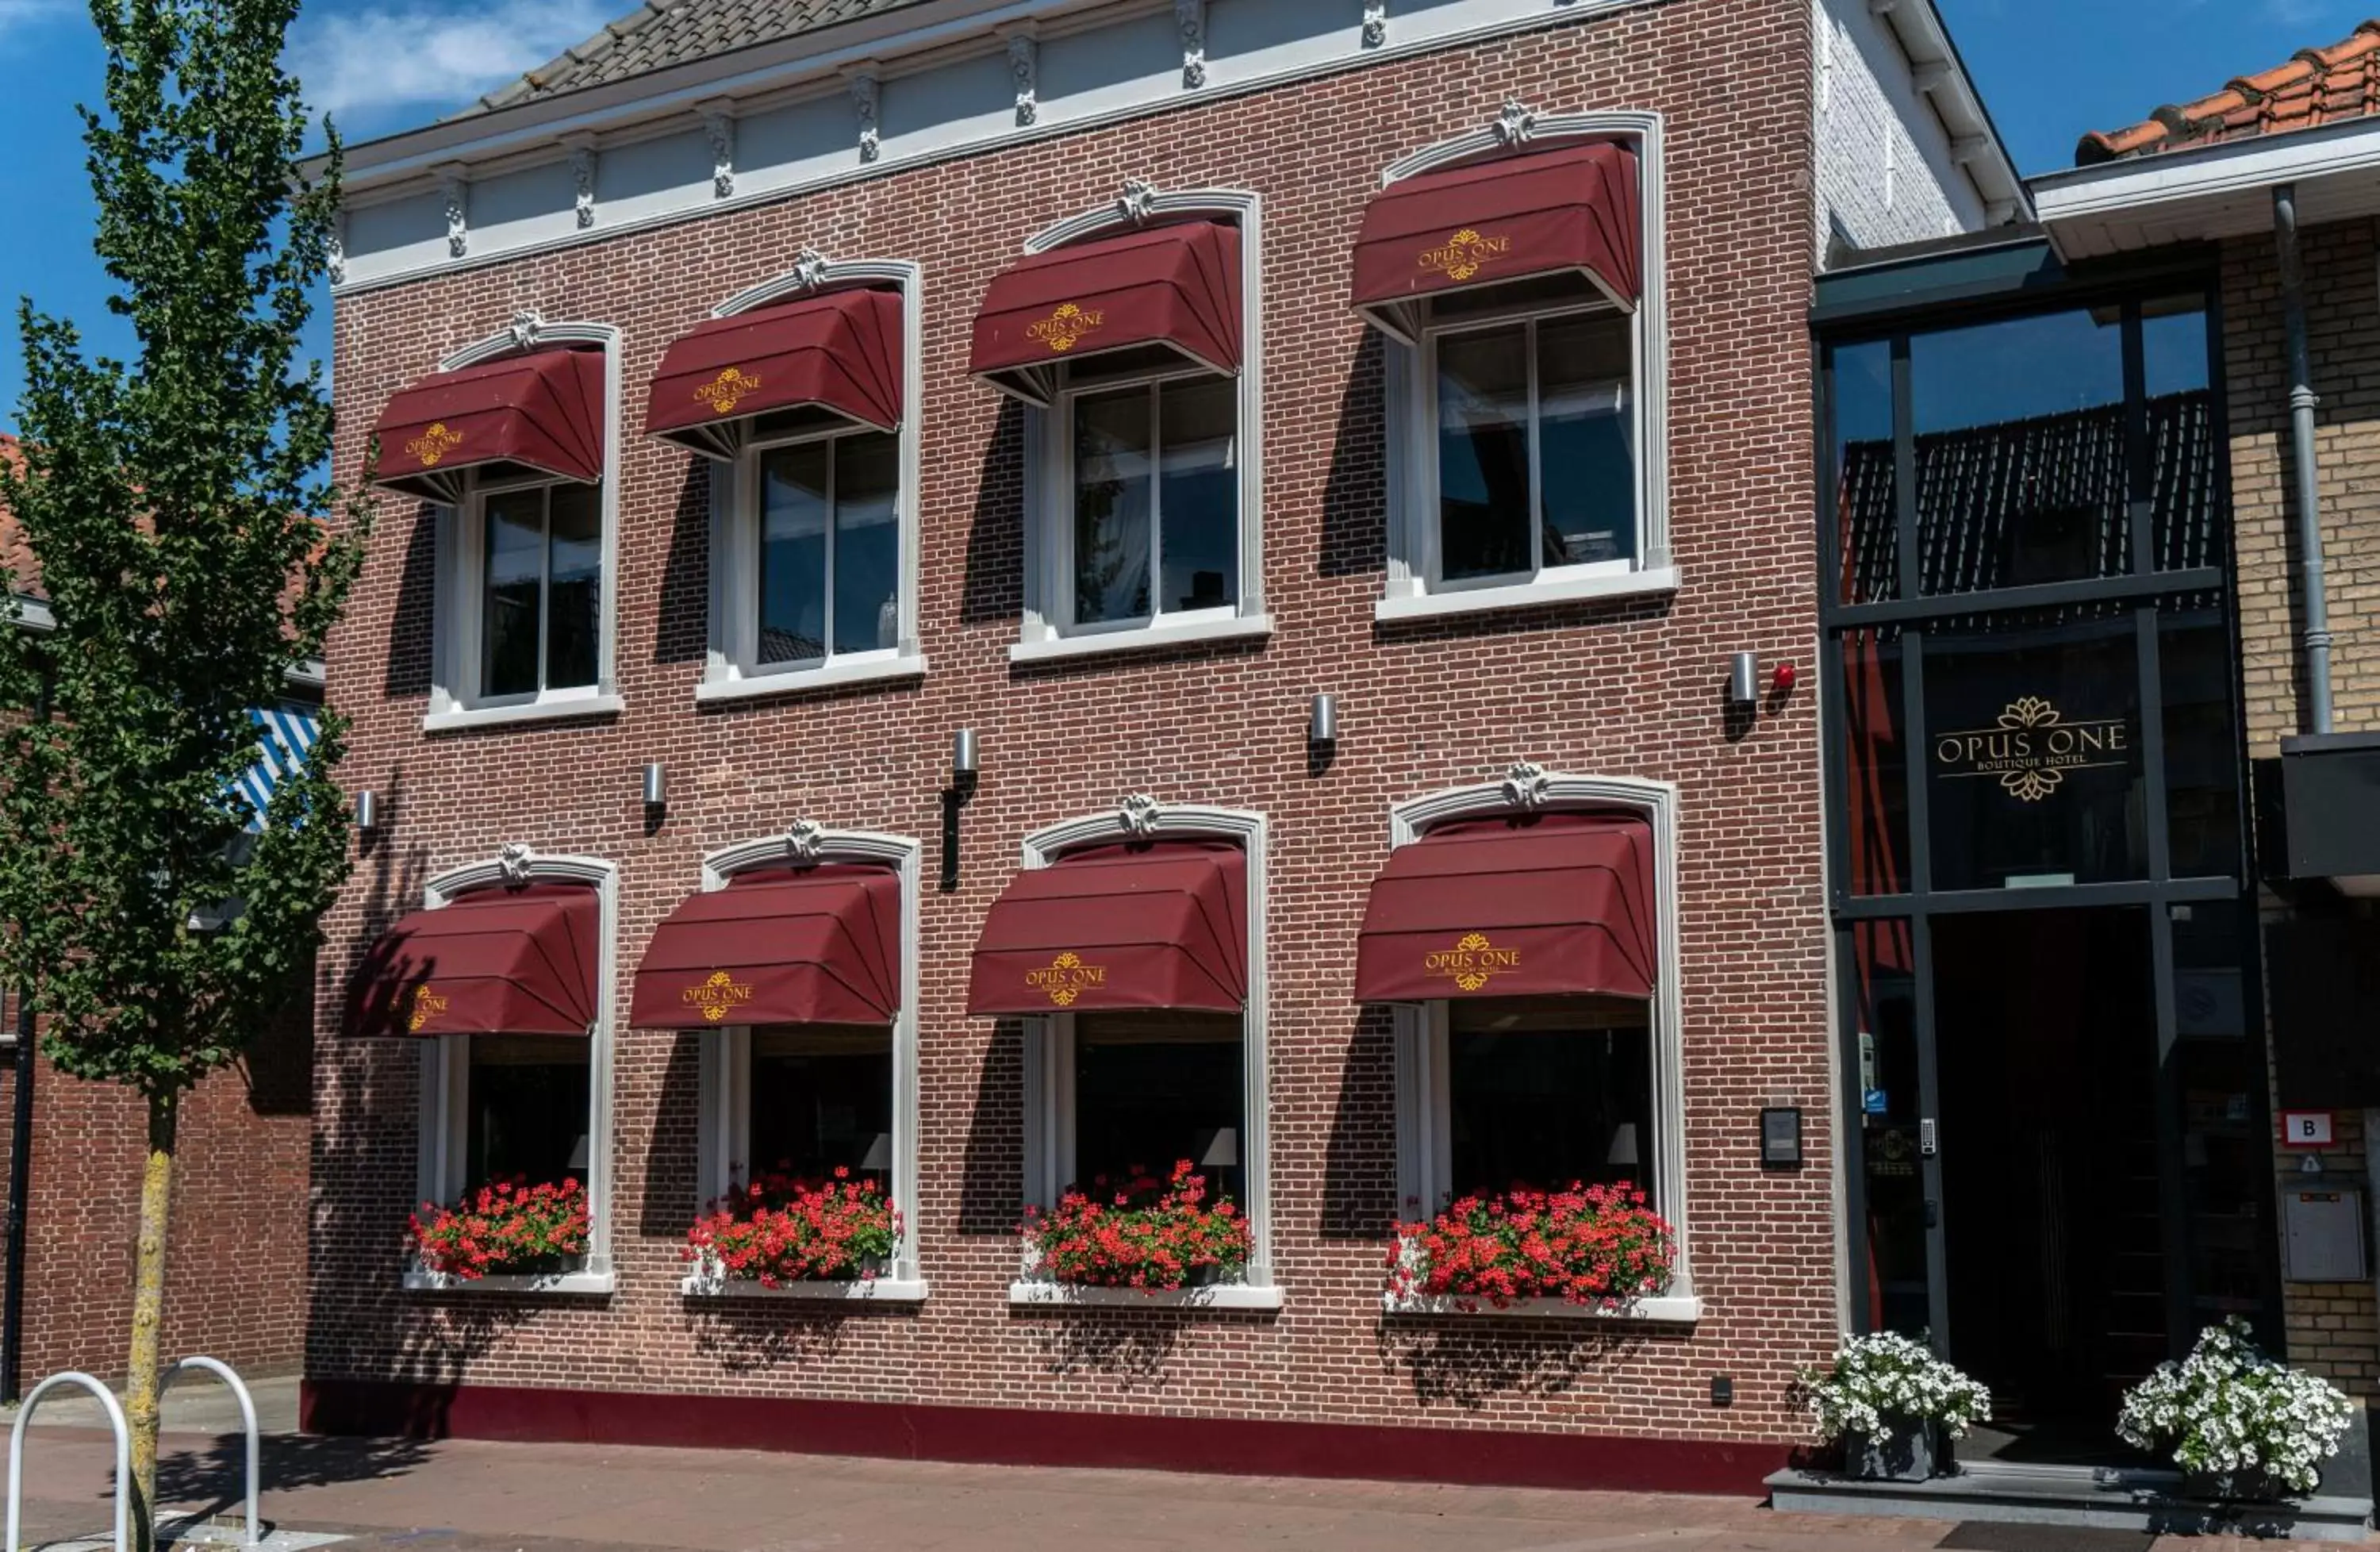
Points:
(148, 1316)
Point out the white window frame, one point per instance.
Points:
(455, 700)
(1425, 1164)
(1047, 629)
(472, 632)
(1048, 1065)
(726, 1059)
(444, 1109)
(1414, 589)
(731, 668)
(1067, 487)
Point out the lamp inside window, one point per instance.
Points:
(1549, 1092)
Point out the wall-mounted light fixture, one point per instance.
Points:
(1322, 720)
(1743, 678)
(656, 786)
(963, 758)
(367, 812)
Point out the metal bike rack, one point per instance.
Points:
(224, 1372)
(123, 1455)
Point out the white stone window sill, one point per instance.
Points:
(1676, 1309)
(584, 1282)
(880, 1290)
(827, 676)
(1148, 639)
(605, 705)
(1217, 1295)
(1527, 595)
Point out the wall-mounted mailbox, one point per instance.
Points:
(2322, 1226)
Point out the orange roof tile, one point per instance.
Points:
(2315, 86)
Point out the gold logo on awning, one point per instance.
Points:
(2031, 746)
(1066, 977)
(423, 1006)
(434, 445)
(724, 392)
(717, 996)
(1472, 962)
(1464, 254)
(1062, 329)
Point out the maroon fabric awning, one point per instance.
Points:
(1510, 217)
(538, 414)
(818, 945)
(1162, 925)
(1173, 289)
(1557, 904)
(494, 962)
(838, 355)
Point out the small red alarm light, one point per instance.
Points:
(1781, 679)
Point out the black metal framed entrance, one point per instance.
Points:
(2038, 848)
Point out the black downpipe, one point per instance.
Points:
(21, 1184)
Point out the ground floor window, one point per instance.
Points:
(1151, 1088)
(1546, 1092)
(526, 1107)
(819, 1099)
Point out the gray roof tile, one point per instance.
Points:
(661, 33)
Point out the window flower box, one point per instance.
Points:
(1144, 1235)
(506, 1229)
(1596, 1248)
(781, 1233)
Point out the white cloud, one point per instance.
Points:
(18, 15)
(358, 61)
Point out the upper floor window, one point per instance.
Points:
(513, 448)
(1517, 286)
(1133, 351)
(797, 391)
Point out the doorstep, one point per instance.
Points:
(2102, 1497)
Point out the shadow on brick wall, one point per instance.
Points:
(991, 1175)
(670, 1187)
(991, 590)
(1355, 497)
(409, 622)
(1468, 1360)
(683, 632)
(1359, 1160)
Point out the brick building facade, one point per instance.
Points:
(590, 206)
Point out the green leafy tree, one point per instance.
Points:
(192, 553)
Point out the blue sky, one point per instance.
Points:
(2049, 70)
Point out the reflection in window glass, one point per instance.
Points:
(574, 597)
(2021, 476)
(1157, 490)
(2032, 752)
(867, 543)
(1586, 440)
(2187, 524)
(1113, 506)
(2226, 1157)
(1548, 1092)
(794, 500)
(1867, 518)
(821, 1098)
(1885, 1009)
(1198, 495)
(829, 548)
(526, 1109)
(1151, 1088)
(513, 595)
(2202, 751)
(1876, 762)
(1483, 454)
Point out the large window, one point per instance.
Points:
(1153, 1088)
(1547, 1092)
(818, 1099)
(1535, 444)
(1155, 500)
(827, 577)
(525, 1103)
(542, 589)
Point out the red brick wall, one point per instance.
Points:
(236, 1258)
(1632, 688)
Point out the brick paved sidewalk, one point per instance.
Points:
(465, 1496)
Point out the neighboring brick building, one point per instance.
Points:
(239, 1188)
(942, 192)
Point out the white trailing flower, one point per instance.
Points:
(1883, 1377)
(2227, 1408)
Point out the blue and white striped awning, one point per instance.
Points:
(288, 732)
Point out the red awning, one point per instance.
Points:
(538, 414)
(1162, 925)
(1173, 289)
(822, 945)
(1558, 905)
(494, 962)
(838, 355)
(1571, 208)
